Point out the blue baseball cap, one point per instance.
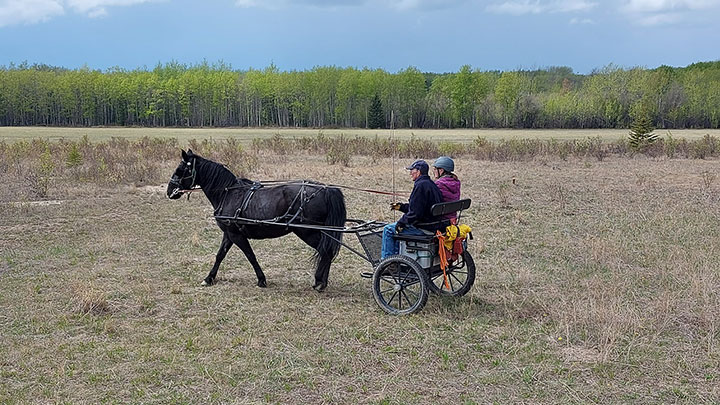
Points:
(421, 165)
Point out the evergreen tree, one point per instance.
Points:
(641, 131)
(376, 117)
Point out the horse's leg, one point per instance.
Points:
(243, 243)
(225, 245)
(322, 269)
(322, 272)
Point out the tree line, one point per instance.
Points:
(201, 95)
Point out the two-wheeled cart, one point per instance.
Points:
(401, 284)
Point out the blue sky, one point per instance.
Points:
(432, 35)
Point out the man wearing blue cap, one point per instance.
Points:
(424, 194)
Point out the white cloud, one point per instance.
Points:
(97, 12)
(516, 7)
(278, 4)
(13, 12)
(649, 6)
(246, 3)
(583, 21)
(423, 4)
(395, 4)
(521, 7)
(567, 6)
(665, 12)
(660, 19)
(95, 8)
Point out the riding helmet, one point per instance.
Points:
(444, 162)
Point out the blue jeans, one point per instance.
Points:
(389, 245)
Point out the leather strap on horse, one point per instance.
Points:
(443, 257)
(246, 198)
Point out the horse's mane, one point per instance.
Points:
(217, 174)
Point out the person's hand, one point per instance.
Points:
(395, 206)
(399, 228)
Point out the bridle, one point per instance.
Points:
(177, 181)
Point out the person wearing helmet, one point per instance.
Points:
(416, 212)
(447, 182)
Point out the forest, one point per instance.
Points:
(216, 95)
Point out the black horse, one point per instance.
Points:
(264, 207)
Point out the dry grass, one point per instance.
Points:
(246, 135)
(598, 283)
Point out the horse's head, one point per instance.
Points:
(184, 176)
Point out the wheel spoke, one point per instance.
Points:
(392, 298)
(386, 291)
(410, 284)
(410, 304)
(450, 282)
(407, 274)
(458, 280)
(413, 293)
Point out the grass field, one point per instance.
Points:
(246, 135)
(598, 282)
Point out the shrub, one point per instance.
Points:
(338, 151)
(670, 145)
(450, 149)
(481, 148)
(74, 157)
(416, 148)
(39, 177)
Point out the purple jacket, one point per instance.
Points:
(450, 189)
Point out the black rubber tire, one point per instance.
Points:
(461, 276)
(400, 286)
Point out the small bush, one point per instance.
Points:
(74, 157)
(39, 177)
(481, 148)
(416, 148)
(338, 151)
(670, 145)
(450, 149)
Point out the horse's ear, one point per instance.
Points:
(190, 152)
(184, 155)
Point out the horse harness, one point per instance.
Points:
(302, 197)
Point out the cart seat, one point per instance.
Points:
(437, 210)
(441, 209)
(448, 207)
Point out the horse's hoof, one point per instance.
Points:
(320, 287)
(262, 284)
(206, 284)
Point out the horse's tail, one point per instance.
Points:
(335, 203)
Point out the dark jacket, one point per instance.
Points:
(424, 195)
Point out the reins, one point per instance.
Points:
(277, 183)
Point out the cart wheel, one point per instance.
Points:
(461, 276)
(400, 285)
